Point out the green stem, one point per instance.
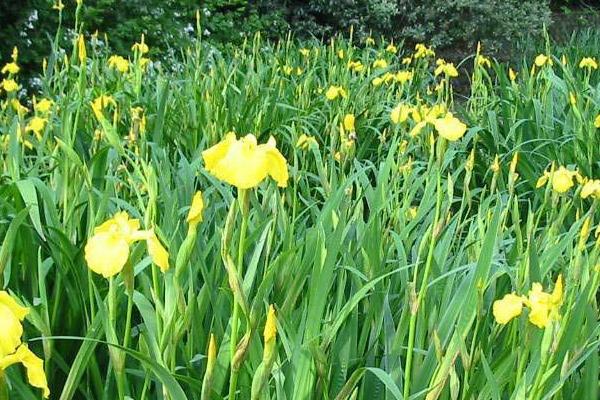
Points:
(242, 199)
(112, 318)
(422, 292)
(3, 387)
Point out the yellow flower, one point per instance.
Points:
(597, 121)
(58, 5)
(36, 125)
(341, 53)
(11, 68)
(589, 63)
(422, 51)
(377, 81)
(305, 52)
(15, 54)
(43, 106)
(404, 76)
(11, 349)
(447, 69)
(81, 53)
(270, 331)
(542, 60)
(508, 308)
(141, 47)
(391, 48)
(562, 180)
(369, 41)
(100, 103)
(107, 251)
(483, 61)
(9, 85)
(400, 113)
(380, 63)
(495, 167)
(349, 122)
(305, 141)
(245, 164)
(591, 188)
(334, 92)
(450, 127)
(544, 306)
(287, 69)
(563, 60)
(18, 107)
(195, 214)
(119, 63)
(32, 363)
(406, 60)
(512, 75)
(11, 315)
(355, 66)
(157, 252)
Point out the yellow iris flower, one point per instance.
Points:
(245, 164)
(589, 63)
(11, 68)
(107, 251)
(119, 63)
(561, 179)
(543, 307)
(450, 127)
(12, 351)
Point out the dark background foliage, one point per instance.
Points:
(169, 25)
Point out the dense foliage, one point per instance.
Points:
(169, 25)
(300, 220)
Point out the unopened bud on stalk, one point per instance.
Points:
(210, 367)
(261, 377)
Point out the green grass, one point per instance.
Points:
(363, 287)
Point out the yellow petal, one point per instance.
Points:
(216, 153)
(450, 128)
(244, 164)
(11, 315)
(539, 303)
(271, 325)
(349, 122)
(195, 213)
(35, 369)
(106, 253)
(541, 181)
(158, 253)
(562, 180)
(508, 308)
